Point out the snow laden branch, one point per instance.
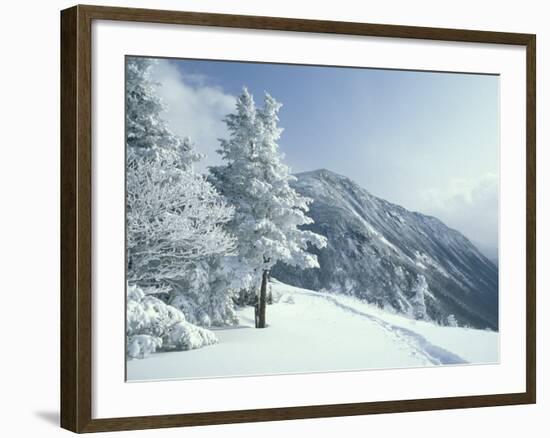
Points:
(269, 213)
(174, 219)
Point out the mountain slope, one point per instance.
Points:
(393, 257)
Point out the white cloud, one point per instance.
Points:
(471, 206)
(195, 109)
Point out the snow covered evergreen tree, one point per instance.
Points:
(418, 301)
(146, 131)
(268, 212)
(451, 321)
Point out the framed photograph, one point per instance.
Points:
(269, 218)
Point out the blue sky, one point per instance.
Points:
(427, 141)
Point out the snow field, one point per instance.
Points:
(311, 331)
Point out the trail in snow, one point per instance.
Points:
(434, 354)
(312, 331)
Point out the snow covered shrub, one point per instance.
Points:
(146, 314)
(186, 336)
(141, 346)
(151, 325)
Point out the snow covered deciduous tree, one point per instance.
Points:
(175, 217)
(268, 211)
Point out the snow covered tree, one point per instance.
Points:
(420, 290)
(268, 211)
(451, 321)
(205, 295)
(174, 219)
(146, 131)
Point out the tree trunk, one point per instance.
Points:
(260, 319)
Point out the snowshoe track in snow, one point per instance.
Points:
(432, 353)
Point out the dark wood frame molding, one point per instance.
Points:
(76, 218)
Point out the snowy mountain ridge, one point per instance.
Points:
(395, 258)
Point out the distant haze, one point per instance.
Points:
(427, 141)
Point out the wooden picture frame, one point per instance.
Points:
(76, 218)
